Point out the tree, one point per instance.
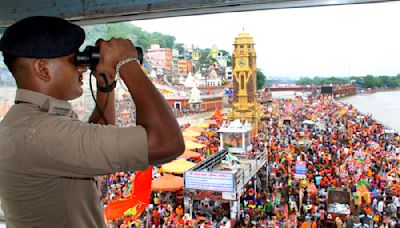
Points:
(180, 47)
(305, 81)
(260, 79)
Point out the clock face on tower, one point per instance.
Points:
(242, 62)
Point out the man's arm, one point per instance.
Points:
(165, 140)
(164, 137)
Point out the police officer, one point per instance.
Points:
(49, 159)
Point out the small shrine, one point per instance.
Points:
(236, 137)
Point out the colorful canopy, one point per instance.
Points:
(167, 182)
(190, 154)
(211, 122)
(202, 125)
(190, 145)
(195, 128)
(190, 133)
(177, 166)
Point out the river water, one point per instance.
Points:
(383, 106)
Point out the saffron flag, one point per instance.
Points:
(217, 115)
(136, 202)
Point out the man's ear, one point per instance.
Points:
(41, 69)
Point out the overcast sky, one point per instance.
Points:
(318, 41)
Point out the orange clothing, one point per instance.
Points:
(179, 210)
(314, 225)
(304, 225)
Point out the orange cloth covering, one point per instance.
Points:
(139, 198)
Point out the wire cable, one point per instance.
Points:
(98, 108)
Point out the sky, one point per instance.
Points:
(349, 40)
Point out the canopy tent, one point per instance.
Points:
(202, 125)
(190, 154)
(195, 128)
(189, 138)
(210, 122)
(177, 166)
(190, 145)
(167, 182)
(190, 133)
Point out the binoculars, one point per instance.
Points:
(91, 56)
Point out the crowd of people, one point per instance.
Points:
(342, 149)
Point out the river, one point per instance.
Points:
(383, 106)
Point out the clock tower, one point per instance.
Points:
(244, 70)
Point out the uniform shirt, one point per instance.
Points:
(49, 161)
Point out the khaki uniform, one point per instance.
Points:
(49, 161)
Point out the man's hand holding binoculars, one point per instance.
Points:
(106, 59)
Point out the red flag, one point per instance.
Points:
(142, 185)
(138, 200)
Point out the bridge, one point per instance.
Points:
(337, 90)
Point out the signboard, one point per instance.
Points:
(229, 195)
(220, 182)
(300, 169)
(326, 90)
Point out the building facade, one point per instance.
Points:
(160, 58)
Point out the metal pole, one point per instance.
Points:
(191, 208)
(221, 145)
(238, 208)
(243, 144)
(255, 188)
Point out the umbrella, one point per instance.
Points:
(190, 133)
(167, 182)
(210, 122)
(195, 128)
(202, 125)
(189, 138)
(177, 166)
(189, 154)
(190, 145)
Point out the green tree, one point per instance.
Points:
(305, 81)
(260, 79)
(180, 47)
(370, 82)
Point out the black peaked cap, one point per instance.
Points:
(42, 37)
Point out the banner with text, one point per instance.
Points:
(300, 170)
(221, 182)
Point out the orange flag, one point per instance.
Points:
(138, 200)
(217, 115)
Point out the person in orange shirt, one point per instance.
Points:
(179, 211)
(368, 210)
(304, 224)
(314, 224)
